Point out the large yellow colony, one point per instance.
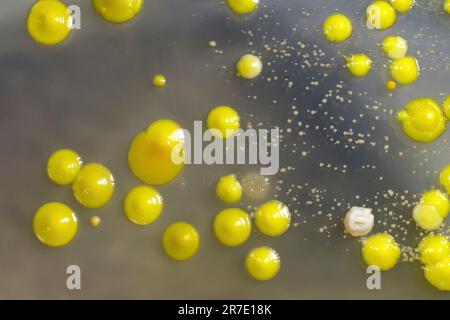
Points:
(358, 64)
(117, 10)
(381, 250)
(337, 27)
(156, 155)
(422, 119)
(380, 15)
(49, 22)
(55, 224)
(223, 121)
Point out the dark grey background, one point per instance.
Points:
(93, 93)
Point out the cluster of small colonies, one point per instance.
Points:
(380, 15)
(233, 227)
(55, 224)
(151, 159)
(382, 251)
(49, 21)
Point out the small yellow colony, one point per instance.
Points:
(380, 15)
(232, 226)
(94, 185)
(55, 224)
(159, 81)
(381, 250)
(446, 6)
(433, 248)
(446, 106)
(228, 189)
(444, 178)
(405, 70)
(242, 6)
(143, 205)
(180, 241)
(63, 166)
(422, 119)
(156, 155)
(358, 64)
(272, 218)
(95, 221)
(249, 66)
(117, 10)
(391, 85)
(223, 121)
(402, 6)
(49, 22)
(395, 47)
(432, 209)
(262, 263)
(337, 27)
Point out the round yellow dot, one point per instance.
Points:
(426, 217)
(242, 6)
(63, 166)
(380, 15)
(446, 6)
(55, 224)
(228, 189)
(223, 121)
(395, 47)
(49, 22)
(438, 274)
(422, 119)
(381, 250)
(143, 205)
(232, 226)
(402, 6)
(391, 85)
(94, 185)
(446, 106)
(117, 10)
(249, 66)
(433, 248)
(156, 156)
(358, 64)
(262, 263)
(438, 200)
(337, 27)
(405, 70)
(159, 81)
(444, 178)
(180, 241)
(95, 221)
(272, 218)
